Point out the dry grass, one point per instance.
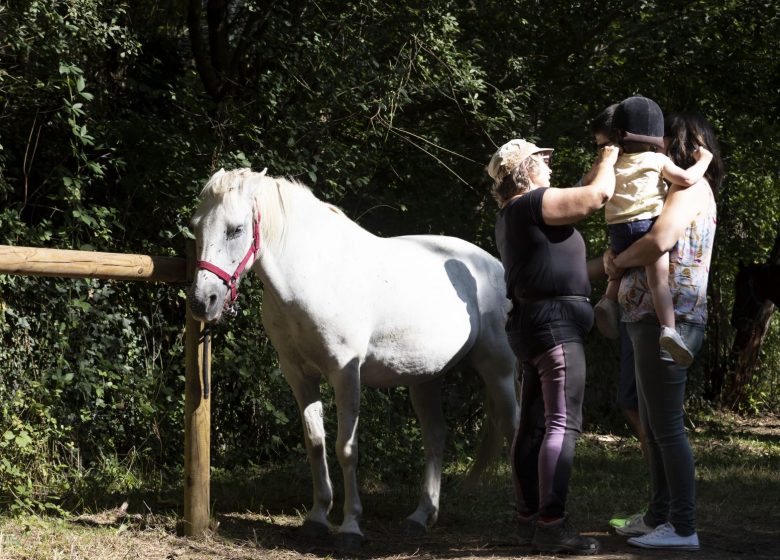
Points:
(738, 465)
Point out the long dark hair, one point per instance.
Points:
(687, 131)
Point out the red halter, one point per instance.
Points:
(230, 280)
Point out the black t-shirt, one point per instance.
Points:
(541, 262)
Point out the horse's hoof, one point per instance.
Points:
(314, 529)
(414, 529)
(349, 542)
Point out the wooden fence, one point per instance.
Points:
(197, 401)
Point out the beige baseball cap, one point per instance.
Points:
(509, 155)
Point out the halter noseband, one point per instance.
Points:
(231, 280)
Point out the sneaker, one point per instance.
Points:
(607, 317)
(634, 526)
(526, 527)
(621, 519)
(560, 536)
(673, 343)
(665, 537)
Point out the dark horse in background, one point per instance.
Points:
(756, 288)
(755, 284)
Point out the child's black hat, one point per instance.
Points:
(640, 119)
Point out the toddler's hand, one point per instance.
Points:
(702, 153)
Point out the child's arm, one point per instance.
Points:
(687, 177)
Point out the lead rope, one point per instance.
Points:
(206, 342)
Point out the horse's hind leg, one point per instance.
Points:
(346, 390)
(426, 401)
(307, 394)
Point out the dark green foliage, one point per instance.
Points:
(113, 115)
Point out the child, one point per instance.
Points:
(639, 195)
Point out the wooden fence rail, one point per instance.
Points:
(89, 264)
(197, 403)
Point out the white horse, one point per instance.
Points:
(357, 308)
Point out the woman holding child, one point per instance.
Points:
(686, 230)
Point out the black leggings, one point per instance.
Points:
(553, 385)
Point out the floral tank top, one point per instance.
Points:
(689, 268)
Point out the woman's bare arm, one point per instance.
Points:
(566, 206)
(596, 269)
(680, 209)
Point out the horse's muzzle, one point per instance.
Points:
(205, 306)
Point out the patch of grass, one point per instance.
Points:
(610, 477)
(258, 509)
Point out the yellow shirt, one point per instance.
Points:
(639, 188)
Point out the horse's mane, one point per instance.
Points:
(279, 200)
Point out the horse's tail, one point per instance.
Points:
(501, 412)
(490, 445)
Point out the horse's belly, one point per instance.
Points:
(405, 356)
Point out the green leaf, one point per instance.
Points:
(23, 439)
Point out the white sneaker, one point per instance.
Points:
(607, 317)
(665, 537)
(673, 343)
(635, 527)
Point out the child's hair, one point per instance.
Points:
(602, 124)
(687, 131)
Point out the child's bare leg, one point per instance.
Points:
(658, 282)
(670, 340)
(608, 312)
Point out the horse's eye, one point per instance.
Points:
(232, 233)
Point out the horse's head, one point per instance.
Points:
(227, 234)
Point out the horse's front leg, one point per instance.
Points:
(346, 389)
(426, 401)
(307, 394)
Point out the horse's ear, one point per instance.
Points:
(263, 172)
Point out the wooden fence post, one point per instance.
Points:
(197, 421)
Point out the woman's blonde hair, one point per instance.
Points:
(517, 181)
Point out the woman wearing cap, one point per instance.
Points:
(547, 280)
(685, 229)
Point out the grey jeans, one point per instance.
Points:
(661, 392)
